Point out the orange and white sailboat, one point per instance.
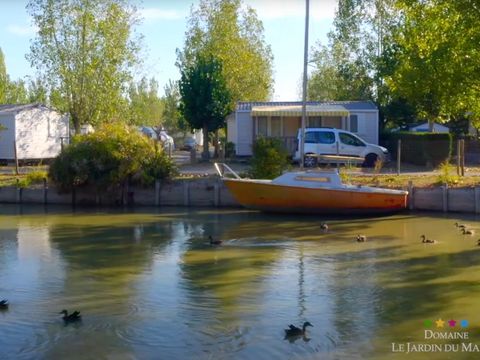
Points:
(311, 192)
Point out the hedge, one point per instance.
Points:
(419, 148)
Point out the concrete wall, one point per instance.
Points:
(211, 192)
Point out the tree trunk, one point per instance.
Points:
(430, 125)
(76, 123)
(206, 152)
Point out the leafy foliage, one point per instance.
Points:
(85, 50)
(346, 68)
(3, 78)
(233, 34)
(447, 174)
(436, 58)
(145, 106)
(205, 99)
(172, 117)
(270, 158)
(109, 157)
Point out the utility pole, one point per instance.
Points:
(304, 94)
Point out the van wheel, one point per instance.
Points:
(370, 160)
(310, 161)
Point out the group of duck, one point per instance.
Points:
(67, 318)
(291, 332)
(358, 238)
(463, 228)
(466, 231)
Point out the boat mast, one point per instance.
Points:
(304, 89)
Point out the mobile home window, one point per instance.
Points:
(275, 126)
(353, 123)
(262, 126)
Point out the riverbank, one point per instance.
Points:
(209, 191)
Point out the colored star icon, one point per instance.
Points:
(440, 323)
(464, 323)
(452, 323)
(428, 323)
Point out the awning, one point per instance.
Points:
(296, 110)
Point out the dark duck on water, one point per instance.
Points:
(214, 242)
(427, 241)
(75, 316)
(4, 304)
(295, 331)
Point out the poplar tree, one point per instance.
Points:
(234, 35)
(85, 49)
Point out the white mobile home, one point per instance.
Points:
(283, 119)
(37, 132)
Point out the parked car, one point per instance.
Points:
(148, 131)
(188, 144)
(163, 137)
(166, 140)
(331, 141)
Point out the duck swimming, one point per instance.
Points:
(324, 226)
(467, 231)
(295, 331)
(427, 241)
(75, 316)
(460, 225)
(214, 242)
(361, 238)
(4, 304)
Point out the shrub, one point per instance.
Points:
(34, 177)
(270, 158)
(420, 148)
(156, 165)
(447, 174)
(107, 158)
(229, 149)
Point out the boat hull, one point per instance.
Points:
(271, 197)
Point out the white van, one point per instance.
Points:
(331, 141)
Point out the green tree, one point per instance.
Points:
(233, 34)
(37, 92)
(345, 69)
(85, 49)
(17, 92)
(437, 58)
(205, 98)
(146, 107)
(172, 117)
(3, 78)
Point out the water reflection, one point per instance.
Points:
(150, 282)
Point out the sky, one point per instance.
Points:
(164, 25)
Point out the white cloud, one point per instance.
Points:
(21, 30)
(274, 9)
(160, 14)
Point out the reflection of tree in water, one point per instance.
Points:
(103, 253)
(224, 281)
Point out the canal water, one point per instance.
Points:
(150, 286)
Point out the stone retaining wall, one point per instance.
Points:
(210, 192)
